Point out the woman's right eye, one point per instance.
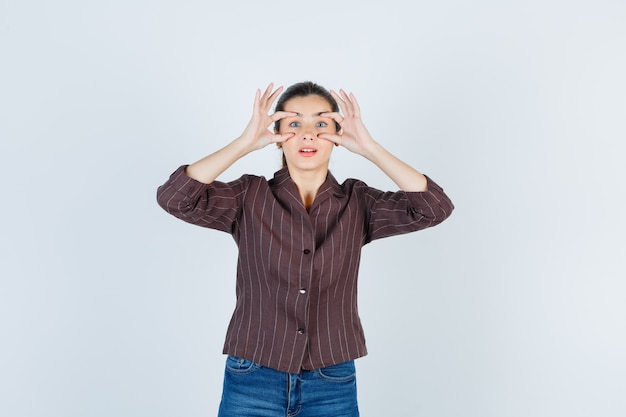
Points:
(294, 124)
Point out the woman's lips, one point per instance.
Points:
(307, 151)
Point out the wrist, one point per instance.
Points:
(242, 146)
(373, 151)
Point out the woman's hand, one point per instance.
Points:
(257, 134)
(353, 134)
(355, 137)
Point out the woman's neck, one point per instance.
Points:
(308, 182)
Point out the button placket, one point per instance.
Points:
(302, 290)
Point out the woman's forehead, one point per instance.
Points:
(308, 105)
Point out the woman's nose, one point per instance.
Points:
(308, 133)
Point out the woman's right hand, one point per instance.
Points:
(257, 134)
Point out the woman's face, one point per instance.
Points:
(305, 151)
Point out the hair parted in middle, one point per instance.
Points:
(304, 89)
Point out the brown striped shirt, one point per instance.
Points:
(297, 269)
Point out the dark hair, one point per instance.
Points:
(303, 89)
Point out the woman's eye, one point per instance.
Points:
(294, 124)
(322, 124)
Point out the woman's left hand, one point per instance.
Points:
(353, 134)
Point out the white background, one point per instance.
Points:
(515, 306)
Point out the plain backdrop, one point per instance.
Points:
(514, 307)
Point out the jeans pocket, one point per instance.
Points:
(342, 372)
(237, 365)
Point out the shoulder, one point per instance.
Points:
(242, 185)
(354, 186)
(248, 179)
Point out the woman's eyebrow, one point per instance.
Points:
(314, 114)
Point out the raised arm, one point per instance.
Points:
(356, 138)
(255, 136)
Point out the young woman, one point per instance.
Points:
(295, 331)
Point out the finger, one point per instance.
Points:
(267, 91)
(280, 138)
(333, 115)
(268, 97)
(275, 94)
(347, 102)
(257, 99)
(281, 115)
(336, 139)
(344, 102)
(339, 100)
(355, 104)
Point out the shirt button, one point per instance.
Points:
(301, 331)
(306, 251)
(302, 291)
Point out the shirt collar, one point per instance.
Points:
(330, 187)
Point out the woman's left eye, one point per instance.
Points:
(321, 124)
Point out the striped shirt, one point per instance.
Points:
(297, 269)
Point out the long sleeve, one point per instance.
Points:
(393, 213)
(214, 205)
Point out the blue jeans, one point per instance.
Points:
(251, 390)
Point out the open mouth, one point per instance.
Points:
(308, 151)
